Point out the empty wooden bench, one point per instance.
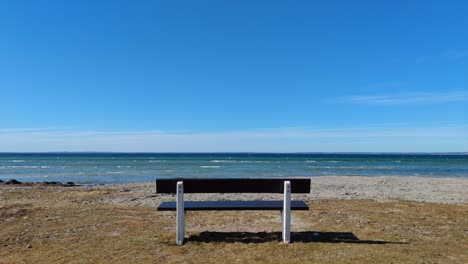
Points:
(251, 185)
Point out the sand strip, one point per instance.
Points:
(434, 190)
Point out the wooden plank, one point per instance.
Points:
(242, 185)
(232, 205)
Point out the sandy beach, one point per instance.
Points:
(435, 190)
(420, 189)
(357, 219)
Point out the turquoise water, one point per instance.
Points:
(119, 168)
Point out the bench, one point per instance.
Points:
(179, 186)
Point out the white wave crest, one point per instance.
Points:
(22, 167)
(115, 172)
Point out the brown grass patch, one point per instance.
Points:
(73, 226)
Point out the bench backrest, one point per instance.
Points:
(243, 185)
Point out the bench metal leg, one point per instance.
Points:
(282, 224)
(286, 213)
(180, 229)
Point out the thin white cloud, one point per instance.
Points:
(375, 138)
(406, 98)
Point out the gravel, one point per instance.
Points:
(421, 189)
(434, 190)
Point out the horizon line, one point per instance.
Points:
(231, 152)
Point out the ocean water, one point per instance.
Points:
(99, 168)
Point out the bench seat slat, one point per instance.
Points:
(232, 205)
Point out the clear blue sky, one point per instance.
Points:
(280, 76)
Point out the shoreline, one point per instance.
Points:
(379, 188)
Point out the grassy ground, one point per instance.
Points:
(73, 226)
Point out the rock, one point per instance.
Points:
(54, 183)
(28, 246)
(13, 181)
(1, 181)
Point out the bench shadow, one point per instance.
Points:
(296, 237)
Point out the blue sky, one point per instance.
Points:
(263, 76)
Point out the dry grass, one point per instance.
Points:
(73, 226)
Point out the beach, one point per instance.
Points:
(434, 190)
(357, 219)
(419, 189)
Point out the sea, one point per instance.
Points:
(106, 168)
